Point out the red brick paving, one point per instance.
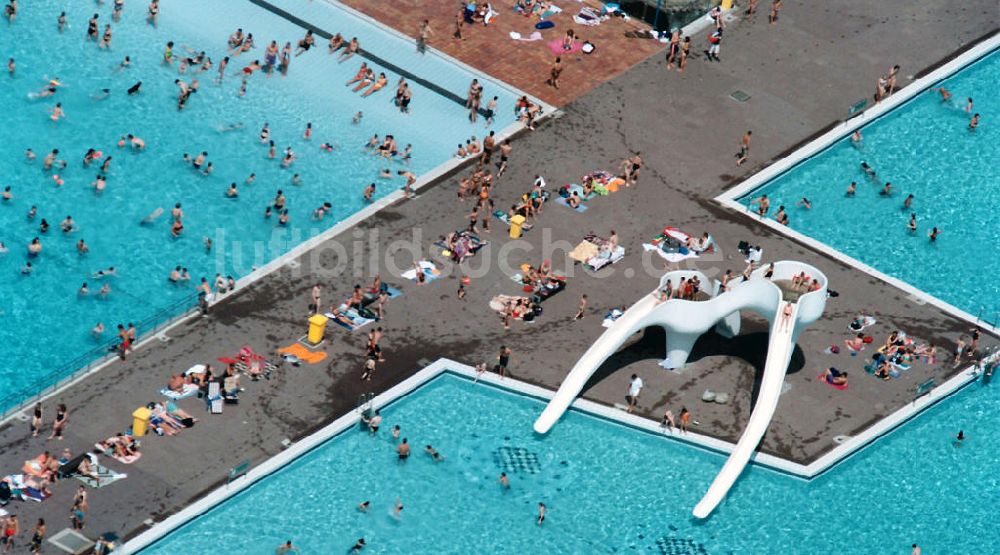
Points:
(524, 65)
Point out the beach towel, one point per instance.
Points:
(358, 319)
(587, 16)
(553, 10)
(544, 25)
(581, 208)
(499, 302)
(859, 324)
(106, 475)
(393, 292)
(602, 259)
(556, 47)
(672, 256)
(841, 387)
(431, 272)
(610, 318)
(302, 353)
(584, 251)
(188, 390)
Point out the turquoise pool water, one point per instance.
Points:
(607, 488)
(923, 148)
(43, 322)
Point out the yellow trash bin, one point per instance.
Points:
(516, 225)
(140, 421)
(317, 326)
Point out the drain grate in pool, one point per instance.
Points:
(516, 459)
(680, 546)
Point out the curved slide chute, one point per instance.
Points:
(779, 353)
(684, 322)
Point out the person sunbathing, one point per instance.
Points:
(342, 318)
(352, 48)
(377, 85)
(573, 200)
(367, 79)
(856, 344)
(336, 43)
(87, 469)
(176, 383)
(835, 377)
(882, 371)
(181, 415)
(362, 71)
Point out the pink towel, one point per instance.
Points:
(556, 47)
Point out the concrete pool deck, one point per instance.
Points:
(687, 138)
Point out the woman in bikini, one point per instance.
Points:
(367, 80)
(377, 85)
(360, 75)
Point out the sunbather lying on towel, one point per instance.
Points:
(119, 446)
(88, 468)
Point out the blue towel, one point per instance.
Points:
(581, 208)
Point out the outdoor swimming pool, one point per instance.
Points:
(608, 489)
(43, 322)
(924, 148)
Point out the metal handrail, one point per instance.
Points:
(83, 363)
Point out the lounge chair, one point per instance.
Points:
(214, 398)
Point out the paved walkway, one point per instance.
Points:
(526, 65)
(687, 137)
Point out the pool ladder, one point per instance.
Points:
(365, 402)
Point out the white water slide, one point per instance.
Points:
(684, 322)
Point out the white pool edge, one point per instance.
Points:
(760, 179)
(614, 415)
(425, 180)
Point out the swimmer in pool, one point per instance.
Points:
(134, 89)
(102, 94)
(357, 118)
(908, 201)
(856, 138)
(886, 190)
(369, 191)
(933, 235)
(364, 506)
(973, 123)
(81, 247)
(296, 180)
(29, 155)
(869, 171)
(968, 105)
(912, 226)
(945, 93)
(804, 203)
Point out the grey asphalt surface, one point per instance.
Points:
(801, 74)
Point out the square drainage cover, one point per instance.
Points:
(680, 546)
(71, 541)
(739, 96)
(516, 459)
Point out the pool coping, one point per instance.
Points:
(838, 132)
(425, 180)
(614, 415)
